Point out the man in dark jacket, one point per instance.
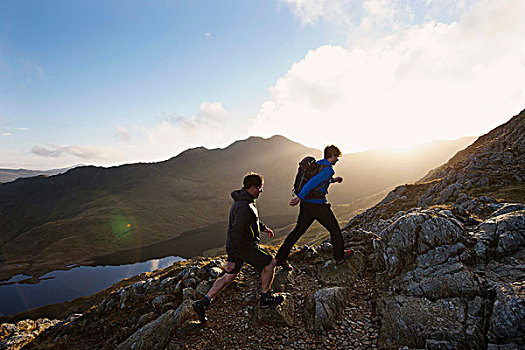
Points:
(314, 206)
(242, 245)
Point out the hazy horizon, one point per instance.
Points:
(384, 150)
(110, 83)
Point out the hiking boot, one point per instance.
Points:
(200, 307)
(346, 255)
(270, 300)
(285, 265)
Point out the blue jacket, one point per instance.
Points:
(320, 181)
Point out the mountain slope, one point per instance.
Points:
(55, 221)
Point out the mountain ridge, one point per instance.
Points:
(86, 211)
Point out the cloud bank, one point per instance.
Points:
(174, 134)
(428, 81)
(83, 152)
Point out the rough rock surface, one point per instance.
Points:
(323, 308)
(283, 315)
(15, 336)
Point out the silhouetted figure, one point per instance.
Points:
(314, 206)
(242, 245)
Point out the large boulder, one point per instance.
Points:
(420, 323)
(157, 334)
(323, 308)
(281, 315)
(343, 275)
(414, 234)
(507, 321)
(283, 280)
(435, 296)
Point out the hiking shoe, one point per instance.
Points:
(200, 307)
(285, 265)
(346, 255)
(270, 300)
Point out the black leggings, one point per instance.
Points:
(307, 214)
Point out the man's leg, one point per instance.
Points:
(326, 217)
(200, 306)
(267, 276)
(261, 260)
(221, 283)
(303, 222)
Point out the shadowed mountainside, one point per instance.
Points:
(49, 222)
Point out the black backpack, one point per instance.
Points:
(308, 168)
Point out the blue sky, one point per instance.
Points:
(112, 82)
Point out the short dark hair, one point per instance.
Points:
(252, 179)
(331, 151)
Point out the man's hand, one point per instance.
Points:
(294, 201)
(269, 232)
(338, 179)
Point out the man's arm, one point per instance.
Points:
(324, 175)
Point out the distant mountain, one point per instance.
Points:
(373, 171)
(7, 175)
(491, 167)
(47, 222)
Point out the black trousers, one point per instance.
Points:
(307, 214)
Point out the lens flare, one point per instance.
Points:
(121, 226)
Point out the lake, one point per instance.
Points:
(60, 286)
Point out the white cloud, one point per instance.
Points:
(376, 13)
(311, 11)
(83, 152)
(423, 82)
(122, 134)
(174, 134)
(6, 134)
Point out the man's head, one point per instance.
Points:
(253, 184)
(332, 154)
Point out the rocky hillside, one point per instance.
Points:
(435, 267)
(93, 214)
(449, 252)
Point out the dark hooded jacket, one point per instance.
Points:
(244, 225)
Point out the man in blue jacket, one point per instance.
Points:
(314, 206)
(242, 245)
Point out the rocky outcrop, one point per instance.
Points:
(15, 336)
(283, 315)
(495, 159)
(445, 284)
(324, 307)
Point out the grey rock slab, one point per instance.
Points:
(324, 307)
(507, 322)
(157, 334)
(283, 280)
(413, 322)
